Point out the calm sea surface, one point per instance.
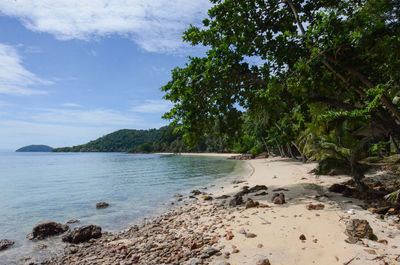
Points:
(63, 186)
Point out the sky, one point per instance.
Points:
(72, 71)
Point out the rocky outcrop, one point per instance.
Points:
(46, 229)
(82, 234)
(102, 205)
(5, 243)
(237, 200)
(357, 229)
(278, 198)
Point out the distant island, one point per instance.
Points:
(149, 141)
(35, 148)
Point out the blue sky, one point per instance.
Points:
(72, 70)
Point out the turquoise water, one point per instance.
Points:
(63, 186)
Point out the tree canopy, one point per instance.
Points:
(313, 79)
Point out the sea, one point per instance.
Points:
(59, 187)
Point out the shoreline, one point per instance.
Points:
(201, 231)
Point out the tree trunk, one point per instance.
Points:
(303, 156)
(290, 151)
(396, 146)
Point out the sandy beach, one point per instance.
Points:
(205, 229)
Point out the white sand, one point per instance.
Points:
(278, 227)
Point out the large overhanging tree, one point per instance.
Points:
(322, 67)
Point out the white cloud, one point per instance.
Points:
(152, 106)
(71, 105)
(101, 117)
(14, 78)
(155, 25)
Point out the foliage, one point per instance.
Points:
(316, 79)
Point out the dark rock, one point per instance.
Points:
(222, 197)
(250, 235)
(237, 200)
(251, 204)
(73, 221)
(257, 188)
(177, 195)
(46, 229)
(195, 192)
(263, 262)
(280, 189)
(208, 198)
(302, 237)
(211, 251)
(237, 181)
(102, 205)
(338, 188)
(318, 206)
(357, 229)
(82, 234)
(261, 193)
(278, 198)
(5, 243)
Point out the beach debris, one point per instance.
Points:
(263, 261)
(370, 251)
(318, 206)
(237, 200)
(82, 234)
(5, 244)
(102, 205)
(251, 204)
(278, 198)
(383, 241)
(351, 211)
(46, 229)
(357, 229)
(302, 237)
(73, 221)
(195, 192)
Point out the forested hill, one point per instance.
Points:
(119, 141)
(35, 148)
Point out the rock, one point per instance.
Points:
(237, 200)
(357, 229)
(370, 251)
(338, 188)
(257, 188)
(222, 197)
(260, 245)
(82, 234)
(195, 192)
(208, 198)
(278, 198)
(196, 262)
(263, 262)
(102, 205)
(302, 237)
(5, 244)
(251, 204)
(224, 263)
(237, 181)
(250, 235)
(46, 229)
(211, 251)
(229, 235)
(261, 193)
(73, 221)
(318, 206)
(234, 251)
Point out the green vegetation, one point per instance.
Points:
(119, 141)
(316, 80)
(35, 148)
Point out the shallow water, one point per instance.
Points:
(63, 186)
